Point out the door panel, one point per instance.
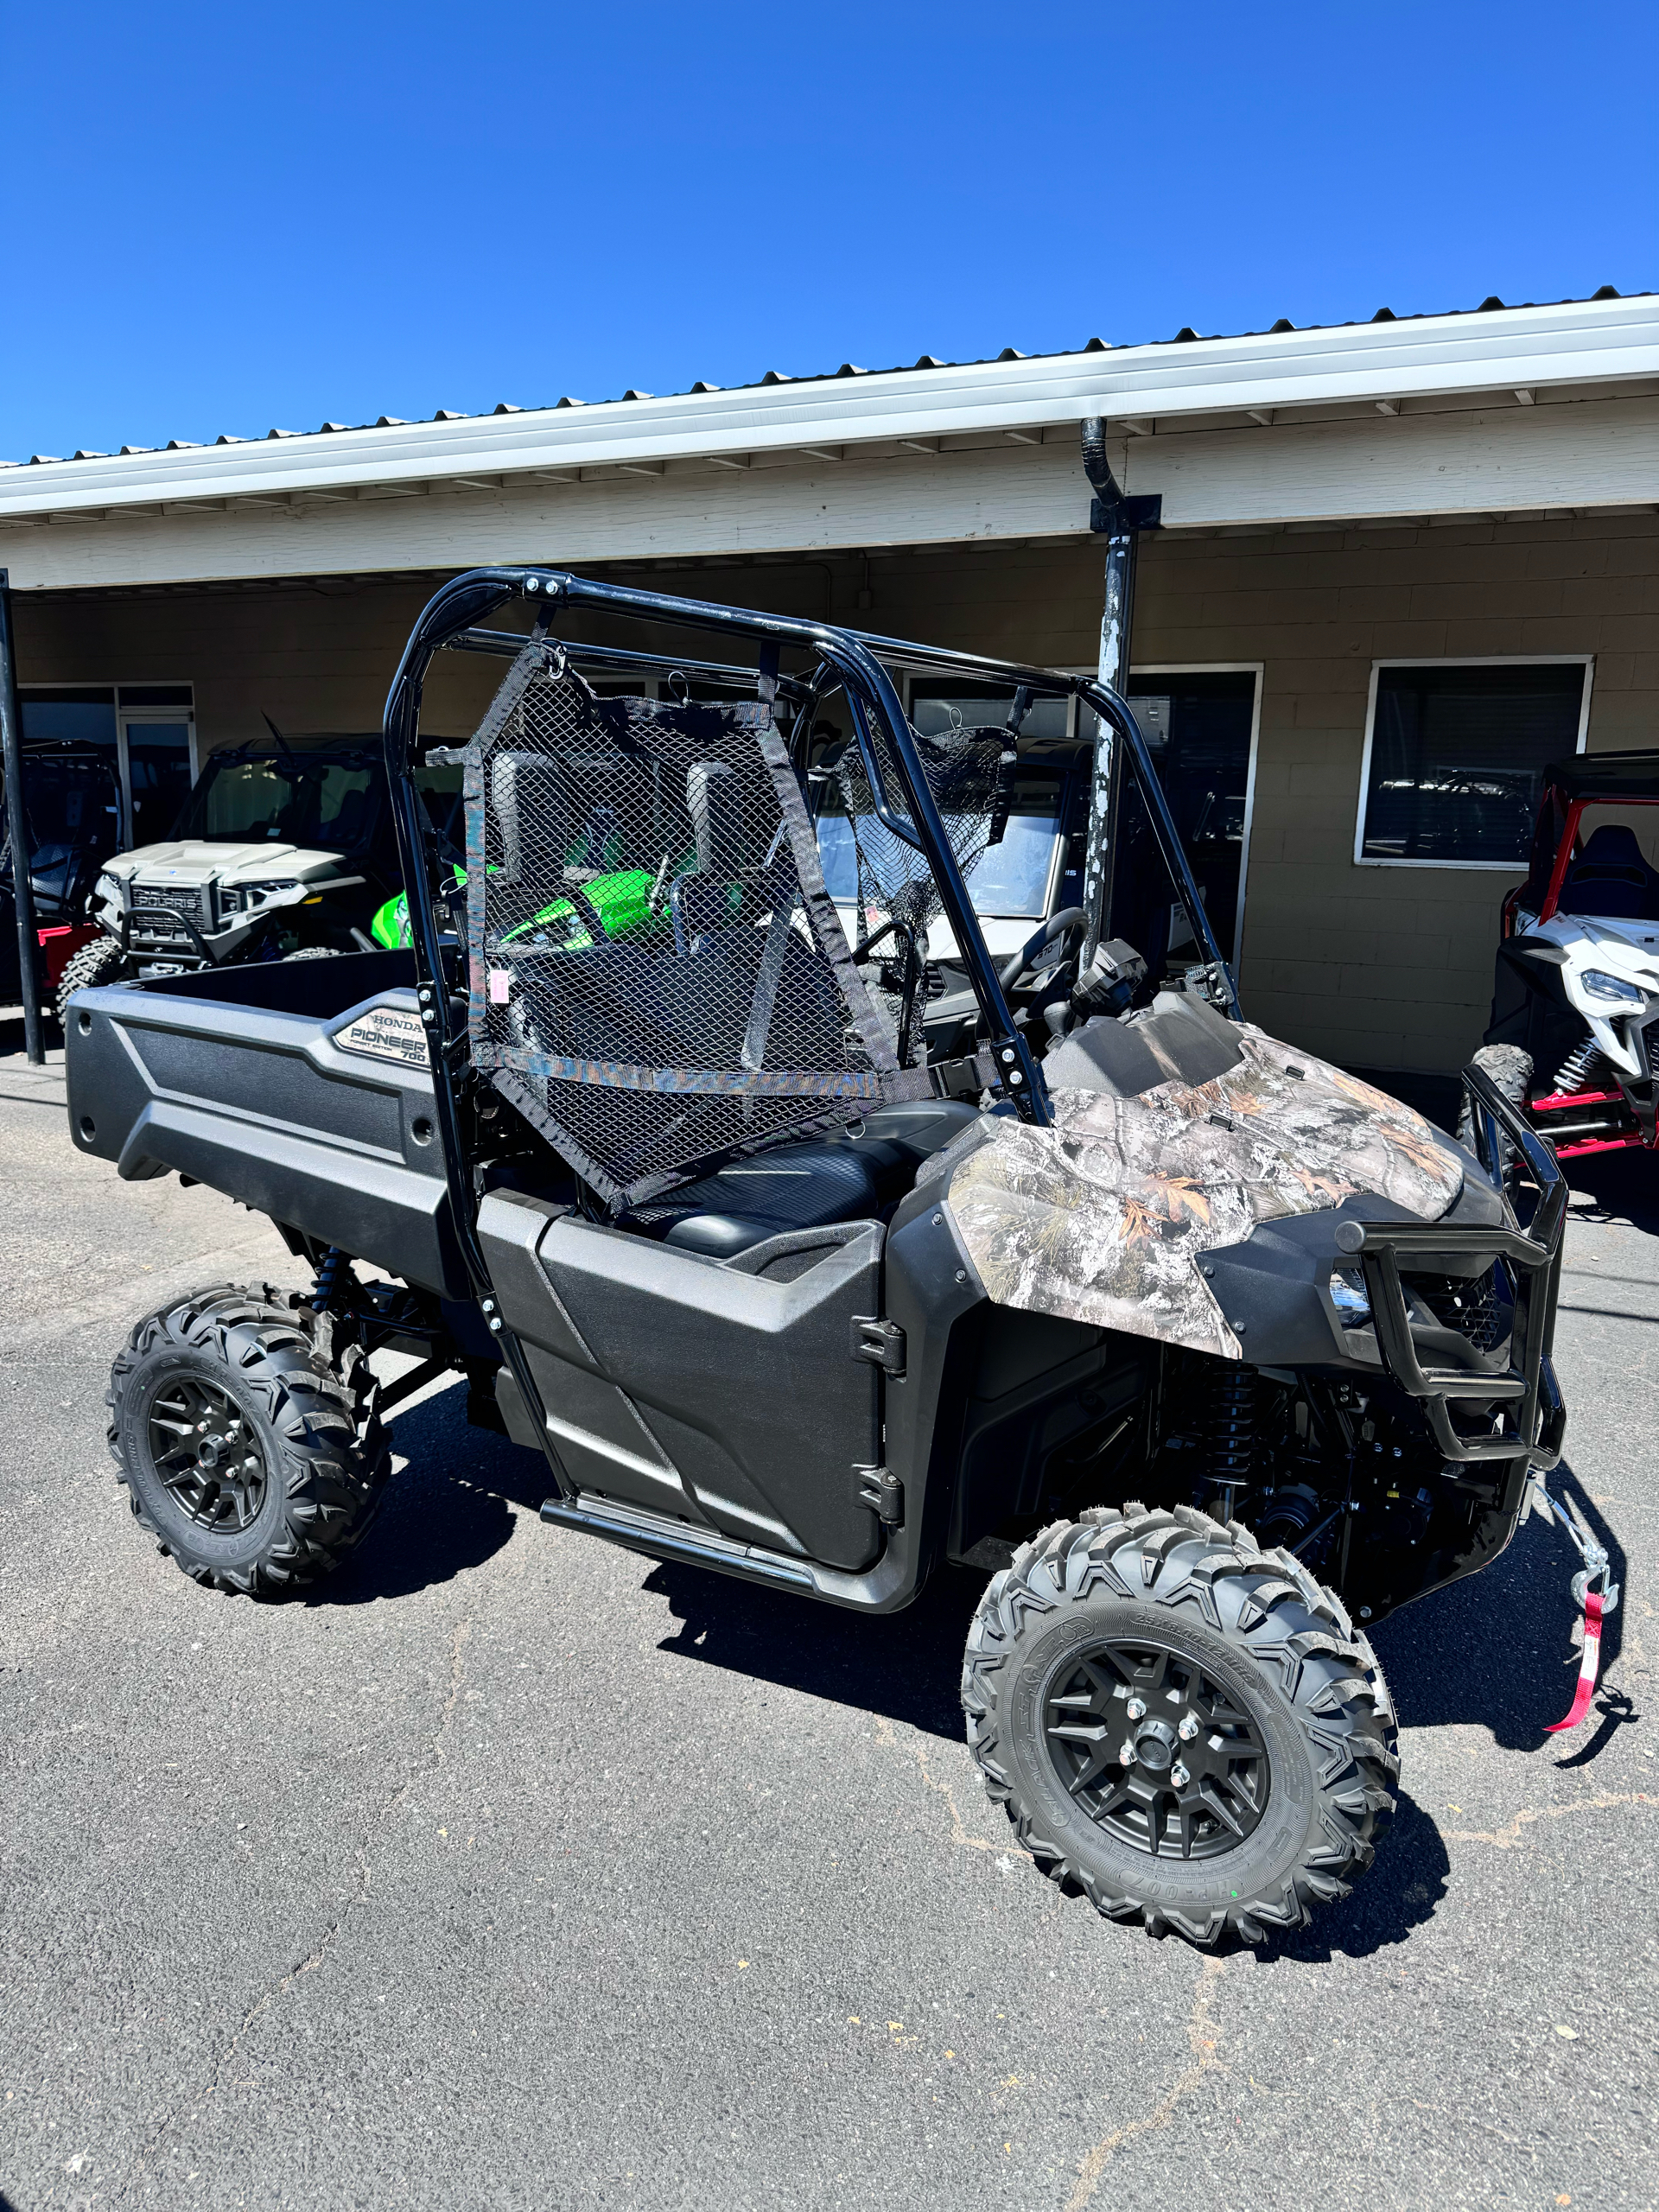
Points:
(744, 1387)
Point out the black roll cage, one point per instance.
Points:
(849, 661)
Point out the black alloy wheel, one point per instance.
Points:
(1185, 1727)
(1156, 1750)
(244, 1425)
(205, 1456)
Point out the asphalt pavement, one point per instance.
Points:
(509, 1870)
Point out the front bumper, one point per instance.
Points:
(1520, 1404)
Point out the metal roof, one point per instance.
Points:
(1389, 361)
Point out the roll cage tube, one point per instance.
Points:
(467, 602)
(1106, 704)
(856, 660)
(1111, 708)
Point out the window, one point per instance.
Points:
(145, 731)
(1455, 753)
(1199, 725)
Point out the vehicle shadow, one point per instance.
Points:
(1618, 1188)
(1404, 1888)
(445, 1512)
(907, 1665)
(1496, 1651)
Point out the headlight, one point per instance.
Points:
(1348, 1296)
(108, 888)
(269, 890)
(1598, 984)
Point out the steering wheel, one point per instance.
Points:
(1069, 922)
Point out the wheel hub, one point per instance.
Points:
(204, 1454)
(1154, 1746)
(1156, 1750)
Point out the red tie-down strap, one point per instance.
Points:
(1589, 1666)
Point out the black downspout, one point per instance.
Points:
(1119, 521)
(23, 882)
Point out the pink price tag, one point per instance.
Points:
(500, 985)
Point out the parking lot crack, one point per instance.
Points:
(427, 1762)
(1506, 1838)
(1202, 2039)
(959, 1836)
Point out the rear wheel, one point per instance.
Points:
(245, 1432)
(1182, 1726)
(100, 962)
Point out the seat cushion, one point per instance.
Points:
(797, 1186)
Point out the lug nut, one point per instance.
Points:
(1179, 1775)
(1136, 1709)
(1126, 1755)
(1188, 1728)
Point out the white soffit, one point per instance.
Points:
(1598, 341)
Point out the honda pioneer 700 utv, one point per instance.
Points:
(638, 1140)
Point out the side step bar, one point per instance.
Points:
(638, 1529)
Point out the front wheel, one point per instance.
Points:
(246, 1435)
(1180, 1725)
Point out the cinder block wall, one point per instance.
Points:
(1383, 967)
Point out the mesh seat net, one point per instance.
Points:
(657, 977)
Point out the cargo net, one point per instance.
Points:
(657, 977)
(967, 771)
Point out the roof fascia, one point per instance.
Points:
(1593, 341)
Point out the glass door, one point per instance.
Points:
(157, 748)
(1199, 725)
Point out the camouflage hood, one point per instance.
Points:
(1103, 1217)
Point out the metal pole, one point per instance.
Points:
(22, 885)
(1119, 521)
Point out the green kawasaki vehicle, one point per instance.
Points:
(629, 902)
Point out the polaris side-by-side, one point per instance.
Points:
(280, 852)
(1206, 1353)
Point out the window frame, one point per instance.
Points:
(168, 717)
(1361, 857)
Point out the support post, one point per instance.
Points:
(1120, 521)
(22, 885)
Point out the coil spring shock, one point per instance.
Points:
(1231, 1430)
(1575, 1070)
(328, 1279)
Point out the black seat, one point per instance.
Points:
(852, 1176)
(1611, 877)
(797, 1186)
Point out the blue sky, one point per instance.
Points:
(224, 219)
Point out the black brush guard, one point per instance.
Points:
(1531, 1418)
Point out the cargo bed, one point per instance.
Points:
(302, 1088)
